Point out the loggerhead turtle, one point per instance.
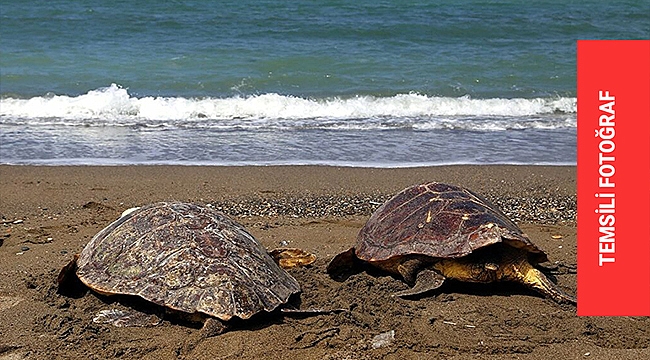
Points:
(188, 258)
(431, 232)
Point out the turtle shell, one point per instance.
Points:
(438, 220)
(188, 258)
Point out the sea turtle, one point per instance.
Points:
(188, 258)
(431, 232)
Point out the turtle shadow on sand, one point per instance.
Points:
(430, 233)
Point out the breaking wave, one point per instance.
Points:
(114, 106)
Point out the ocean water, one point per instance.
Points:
(354, 83)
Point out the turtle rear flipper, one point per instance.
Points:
(537, 281)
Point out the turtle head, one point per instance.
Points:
(343, 265)
(485, 272)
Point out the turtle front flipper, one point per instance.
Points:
(426, 280)
(537, 281)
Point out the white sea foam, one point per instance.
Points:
(114, 106)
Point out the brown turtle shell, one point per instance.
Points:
(188, 258)
(438, 220)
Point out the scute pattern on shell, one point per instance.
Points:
(437, 220)
(186, 257)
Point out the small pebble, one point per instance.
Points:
(24, 248)
(383, 339)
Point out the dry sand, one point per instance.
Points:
(50, 213)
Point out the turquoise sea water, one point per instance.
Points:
(363, 83)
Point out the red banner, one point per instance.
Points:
(613, 178)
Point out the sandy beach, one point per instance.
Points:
(50, 213)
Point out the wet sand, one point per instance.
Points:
(50, 213)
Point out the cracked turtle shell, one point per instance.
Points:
(185, 257)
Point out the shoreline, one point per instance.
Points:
(466, 173)
(342, 164)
